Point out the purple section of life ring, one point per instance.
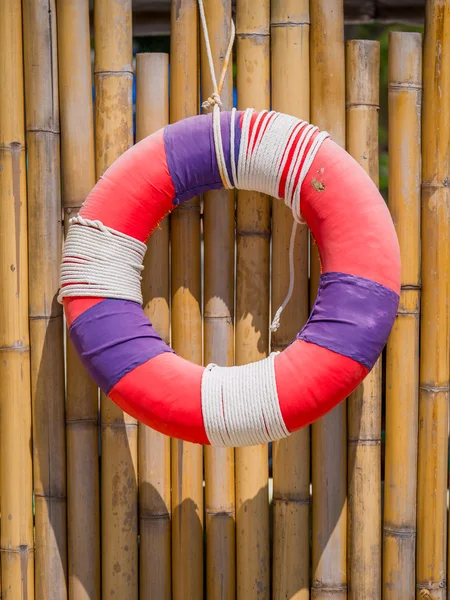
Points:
(191, 156)
(352, 316)
(112, 338)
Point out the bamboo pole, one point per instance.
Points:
(114, 135)
(327, 88)
(434, 332)
(187, 463)
(291, 474)
(252, 307)
(329, 435)
(402, 355)
(78, 177)
(46, 316)
(364, 405)
(16, 541)
(218, 224)
(152, 113)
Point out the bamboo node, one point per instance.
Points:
(22, 549)
(282, 24)
(425, 594)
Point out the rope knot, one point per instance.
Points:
(276, 320)
(212, 101)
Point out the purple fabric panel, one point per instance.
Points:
(352, 316)
(112, 338)
(191, 156)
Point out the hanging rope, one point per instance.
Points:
(214, 99)
(271, 141)
(248, 176)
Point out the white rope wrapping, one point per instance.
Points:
(101, 262)
(271, 141)
(255, 170)
(272, 146)
(240, 404)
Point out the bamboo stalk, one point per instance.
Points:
(187, 463)
(218, 223)
(46, 316)
(329, 435)
(364, 405)
(252, 307)
(78, 177)
(291, 474)
(114, 135)
(434, 332)
(16, 538)
(402, 355)
(152, 113)
(327, 88)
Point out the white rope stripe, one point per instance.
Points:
(272, 146)
(101, 262)
(240, 404)
(269, 144)
(219, 150)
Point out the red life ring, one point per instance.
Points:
(349, 324)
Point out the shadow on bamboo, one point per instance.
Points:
(53, 506)
(188, 510)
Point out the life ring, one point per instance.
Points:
(348, 327)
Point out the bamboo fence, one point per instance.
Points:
(77, 178)
(46, 317)
(218, 319)
(94, 505)
(252, 307)
(434, 331)
(291, 477)
(152, 113)
(187, 459)
(402, 353)
(329, 435)
(16, 538)
(113, 76)
(364, 405)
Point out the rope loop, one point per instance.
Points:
(213, 100)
